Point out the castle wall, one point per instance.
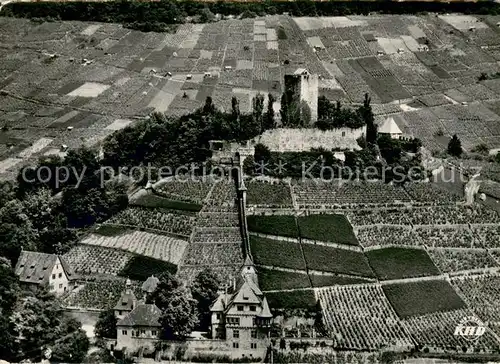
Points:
(298, 140)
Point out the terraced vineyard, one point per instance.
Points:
(86, 259)
(164, 220)
(160, 247)
(360, 316)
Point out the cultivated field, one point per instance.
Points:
(97, 78)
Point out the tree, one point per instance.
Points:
(16, 231)
(209, 107)
(455, 146)
(106, 325)
(166, 285)
(38, 322)
(179, 316)
(9, 293)
(369, 119)
(269, 122)
(206, 16)
(258, 109)
(72, 345)
(204, 290)
(261, 153)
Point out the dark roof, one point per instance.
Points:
(126, 301)
(34, 267)
(142, 315)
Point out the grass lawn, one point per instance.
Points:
(277, 279)
(277, 253)
(291, 300)
(396, 263)
(156, 201)
(326, 259)
(420, 298)
(329, 228)
(140, 268)
(281, 225)
(319, 280)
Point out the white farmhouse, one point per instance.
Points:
(38, 269)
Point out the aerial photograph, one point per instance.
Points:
(261, 181)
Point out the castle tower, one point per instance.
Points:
(304, 87)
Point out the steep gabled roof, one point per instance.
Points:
(142, 315)
(389, 126)
(126, 301)
(245, 294)
(34, 267)
(220, 302)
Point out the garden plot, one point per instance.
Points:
(119, 124)
(37, 147)
(91, 29)
(8, 163)
(166, 95)
(89, 89)
(315, 42)
(392, 45)
(463, 22)
(309, 23)
(244, 65)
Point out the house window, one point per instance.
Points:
(343, 133)
(253, 308)
(153, 333)
(143, 332)
(124, 332)
(236, 334)
(233, 320)
(254, 321)
(119, 313)
(253, 334)
(51, 287)
(253, 345)
(240, 307)
(53, 276)
(60, 286)
(218, 316)
(236, 345)
(60, 275)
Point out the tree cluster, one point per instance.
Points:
(171, 12)
(32, 324)
(174, 142)
(41, 212)
(333, 115)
